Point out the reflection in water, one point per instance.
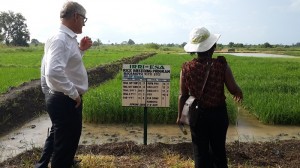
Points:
(261, 55)
(33, 134)
(249, 129)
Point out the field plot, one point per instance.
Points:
(269, 85)
(22, 65)
(271, 93)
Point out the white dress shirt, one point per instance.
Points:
(62, 67)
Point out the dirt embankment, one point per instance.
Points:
(278, 154)
(21, 104)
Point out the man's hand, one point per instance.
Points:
(85, 43)
(78, 102)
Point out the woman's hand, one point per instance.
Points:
(238, 97)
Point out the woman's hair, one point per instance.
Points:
(207, 53)
(70, 8)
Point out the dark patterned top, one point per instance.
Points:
(193, 75)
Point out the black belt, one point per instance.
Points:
(59, 93)
(56, 93)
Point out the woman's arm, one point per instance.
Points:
(232, 86)
(183, 96)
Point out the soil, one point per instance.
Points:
(18, 107)
(283, 154)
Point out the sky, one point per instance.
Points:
(169, 21)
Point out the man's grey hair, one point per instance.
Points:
(70, 8)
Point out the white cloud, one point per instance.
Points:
(199, 1)
(295, 5)
(129, 16)
(167, 21)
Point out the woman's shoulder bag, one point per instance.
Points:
(187, 116)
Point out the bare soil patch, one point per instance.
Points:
(240, 154)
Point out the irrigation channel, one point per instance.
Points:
(33, 133)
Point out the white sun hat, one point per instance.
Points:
(201, 40)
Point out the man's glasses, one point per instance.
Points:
(84, 18)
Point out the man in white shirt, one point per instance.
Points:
(64, 80)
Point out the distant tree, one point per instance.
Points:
(13, 29)
(297, 44)
(183, 44)
(170, 45)
(231, 44)
(219, 46)
(124, 43)
(1, 35)
(35, 42)
(152, 46)
(131, 42)
(240, 45)
(97, 42)
(267, 45)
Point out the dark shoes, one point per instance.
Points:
(76, 162)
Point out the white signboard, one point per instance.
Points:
(146, 85)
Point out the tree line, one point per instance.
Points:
(14, 32)
(13, 29)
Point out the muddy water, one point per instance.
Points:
(249, 129)
(34, 133)
(261, 55)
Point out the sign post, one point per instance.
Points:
(146, 86)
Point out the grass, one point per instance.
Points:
(109, 161)
(104, 104)
(19, 65)
(270, 86)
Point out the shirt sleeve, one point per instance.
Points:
(230, 82)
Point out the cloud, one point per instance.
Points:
(130, 16)
(295, 5)
(199, 1)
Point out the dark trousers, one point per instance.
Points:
(209, 138)
(63, 140)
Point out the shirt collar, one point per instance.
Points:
(68, 31)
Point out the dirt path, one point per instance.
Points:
(276, 154)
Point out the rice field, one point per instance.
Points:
(104, 104)
(269, 86)
(19, 65)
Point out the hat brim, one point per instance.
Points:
(203, 46)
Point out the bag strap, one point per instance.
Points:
(207, 67)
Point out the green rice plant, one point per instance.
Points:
(103, 104)
(11, 77)
(19, 65)
(96, 57)
(270, 86)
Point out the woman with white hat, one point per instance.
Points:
(209, 123)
